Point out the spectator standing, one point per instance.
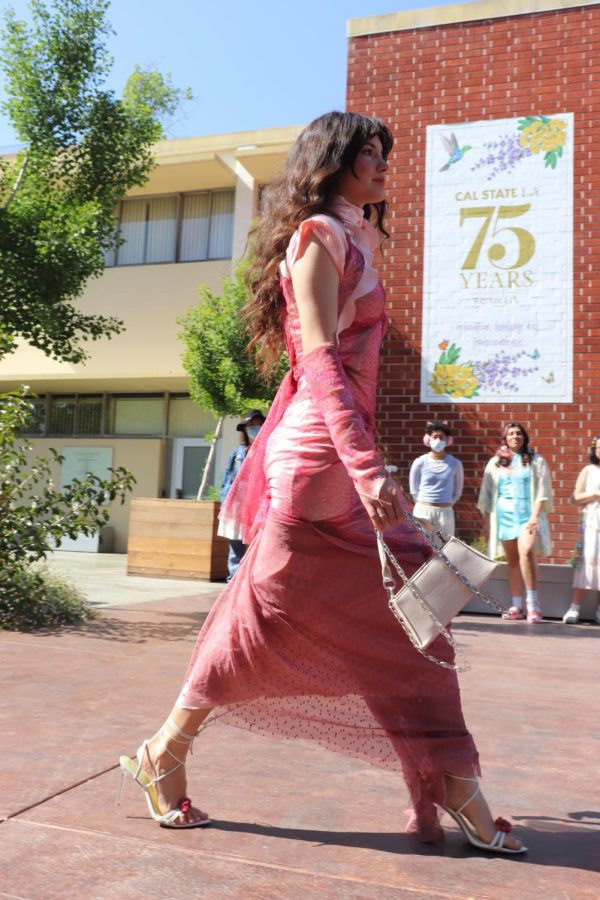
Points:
(248, 428)
(587, 562)
(515, 497)
(437, 479)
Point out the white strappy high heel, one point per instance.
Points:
(496, 845)
(133, 768)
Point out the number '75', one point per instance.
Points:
(497, 252)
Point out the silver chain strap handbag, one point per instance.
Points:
(427, 601)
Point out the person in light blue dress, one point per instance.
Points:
(515, 498)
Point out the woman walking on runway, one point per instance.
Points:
(301, 642)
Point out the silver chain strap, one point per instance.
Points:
(482, 595)
(464, 666)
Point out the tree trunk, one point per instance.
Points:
(210, 457)
(16, 185)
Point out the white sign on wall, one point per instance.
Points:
(498, 280)
(81, 461)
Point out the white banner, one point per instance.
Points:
(498, 280)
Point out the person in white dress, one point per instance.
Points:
(587, 562)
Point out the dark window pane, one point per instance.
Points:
(62, 415)
(88, 415)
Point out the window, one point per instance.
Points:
(121, 415)
(75, 415)
(187, 419)
(36, 422)
(150, 228)
(137, 415)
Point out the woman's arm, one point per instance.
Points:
(414, 478)
(542, 485)
(315, 280)
(459, 481)
(580, 496)
(534, 519)
(543, 493)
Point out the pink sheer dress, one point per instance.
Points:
(301, 643)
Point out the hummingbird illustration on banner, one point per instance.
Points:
(454, 152)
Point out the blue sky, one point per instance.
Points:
(250, 63)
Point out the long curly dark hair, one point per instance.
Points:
(307, 185)
(504, 456)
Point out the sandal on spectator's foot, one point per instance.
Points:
(496, 845)
(133, 768)
(515, 612)
(534, 615)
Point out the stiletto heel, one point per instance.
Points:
(134, 768)
(496, 845)
(120, 788)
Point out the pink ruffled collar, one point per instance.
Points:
(363, 233)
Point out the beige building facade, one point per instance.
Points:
(184, 228)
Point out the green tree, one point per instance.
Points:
(35, 516)
(83, 150)
(224, 377)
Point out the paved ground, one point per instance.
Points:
(290, 820)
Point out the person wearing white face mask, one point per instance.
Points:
(437, 479)
(249, 427)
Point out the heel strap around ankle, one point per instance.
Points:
(187, 738)
(473, 781)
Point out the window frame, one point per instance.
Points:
(180, 197)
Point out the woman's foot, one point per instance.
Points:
(464, 797)
(162, 760)
(534, 613)
(159, 762)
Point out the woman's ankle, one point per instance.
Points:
(163, 755)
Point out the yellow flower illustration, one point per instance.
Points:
(544, 136)
(454, 380)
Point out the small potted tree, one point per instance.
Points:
(179, 538)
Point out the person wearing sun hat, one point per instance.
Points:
(248, 427)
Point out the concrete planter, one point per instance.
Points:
(176, 539)
(554, 592)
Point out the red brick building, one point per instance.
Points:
(468, 63)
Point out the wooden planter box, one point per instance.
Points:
(176, 539)
(554, 592)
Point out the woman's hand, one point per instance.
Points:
(533, 526)
(384, 510)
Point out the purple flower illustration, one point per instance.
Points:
(502, 155)
(499, 373)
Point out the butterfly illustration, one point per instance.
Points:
(549, 379)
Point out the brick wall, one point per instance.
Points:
(542, 63)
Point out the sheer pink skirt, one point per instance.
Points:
(301, 644)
